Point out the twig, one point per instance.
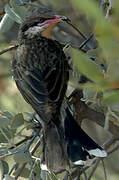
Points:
(13, 167)
(94, 168)
(105, 174)
(20, 142)
(66, 175)
(9, 49)
(86, 41)
(85, 175)
(36, 146)
(109, 142)
(86, 112)
(68, 22)
(60, 171)
(113, 149)
(20, 170)
(32, 152)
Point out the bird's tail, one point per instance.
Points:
(55, 147)
(79, 145)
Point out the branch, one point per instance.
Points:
(94, 168)
(85, 112)
(8, 49)
(113, 149)
(32, 152)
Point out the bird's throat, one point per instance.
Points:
(48, 32)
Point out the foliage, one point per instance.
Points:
(17, 156)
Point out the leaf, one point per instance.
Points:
(4, 122)
(90, 7)
(12, 14)
(1, 170)
(87, 67)
(20, 2)
(22, 157)
(18, 120)
(6, 23)
(111, 98)
(21, 11)
(25, 173)
(5, 167)
(43, 175)
(3, 139)
(9, 115)
(8, 177)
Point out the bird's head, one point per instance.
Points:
(41, 24)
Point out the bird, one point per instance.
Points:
(41, 72)
(80, 147)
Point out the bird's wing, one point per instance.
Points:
(31, 85)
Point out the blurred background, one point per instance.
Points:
(12, 101)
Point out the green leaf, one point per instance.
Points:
(12, 14)
(87, 67)
(17, 121)
(6, 23)
(44, 175)
(22, 157)
(4, 121)
(90, 7)
(20, 2)
(5, 167)
(111, 98)
(21, 11)
(7, 133)
(9, 115)
(25, 173)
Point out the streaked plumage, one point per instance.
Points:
(40, 71)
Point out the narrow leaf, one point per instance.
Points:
(12, 14)
(6, 23)
(87, 67)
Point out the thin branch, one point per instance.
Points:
(109, 142)
(9, 49)
(85, 175)
(86, 41)
(94, 168)
(22, 141)
(32, 152)
(66, 175)
(113, 149)
(68, 22)
(85, 112)
(36, 146)
(105, 174)
(20, 170)
(12, 168)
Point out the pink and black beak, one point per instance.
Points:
(56, 19)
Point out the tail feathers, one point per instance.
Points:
(54, 151)
(80, 146)
(98, 152)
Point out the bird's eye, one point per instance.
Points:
(32, 24)
(41, 20)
